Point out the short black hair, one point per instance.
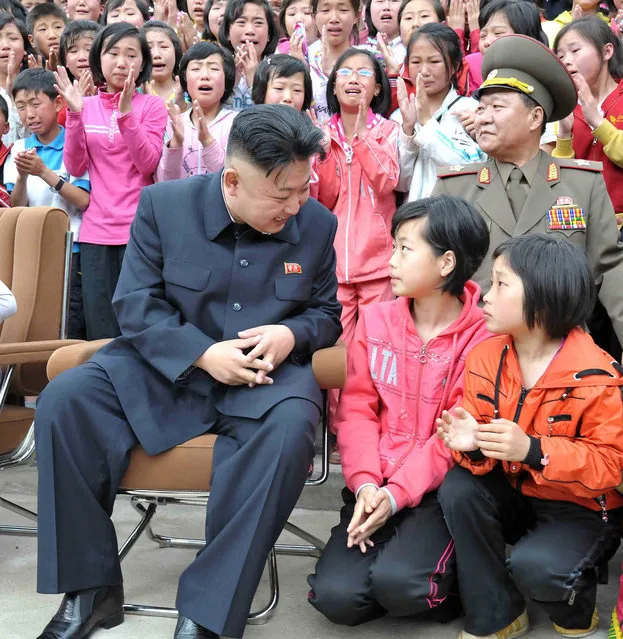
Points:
(272, 136)
(531, 103)
(280, 65)
(9, 18)
(523, 17)
(154, 25)
(203, 50)
(111, 5)
(15, 9)
(37, 80)
(207, 35)
(443, 39)
(4, 108)
(598, 33)
(559, 287)
(43, 11)
(452, 224)
(234, 11)
(75, 30)
(437, 8)
(107, 38)
(381, 102)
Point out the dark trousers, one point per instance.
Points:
(76, 326)
(100, 267)
(409, 570)
(83, 449)
(557, 546)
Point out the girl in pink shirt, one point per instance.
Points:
(117, 136)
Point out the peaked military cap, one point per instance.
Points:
(522, 64)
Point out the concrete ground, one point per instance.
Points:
(151, 577)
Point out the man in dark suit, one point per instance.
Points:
(227, 288)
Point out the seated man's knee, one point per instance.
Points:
(340, 599)
(295, 420)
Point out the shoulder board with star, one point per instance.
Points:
(453, 170)
(582, 165)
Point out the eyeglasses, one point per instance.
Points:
(361, 73)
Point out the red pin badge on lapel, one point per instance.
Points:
(292, 267)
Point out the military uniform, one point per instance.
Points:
(566, 197)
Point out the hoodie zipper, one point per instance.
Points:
(522, 397)
(349, 159)
(601, 500)
(422, 360)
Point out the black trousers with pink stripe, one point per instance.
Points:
(410, 570)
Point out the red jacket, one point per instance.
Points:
(357, 183)
(587, 147)
(397, 386)
(575, 410)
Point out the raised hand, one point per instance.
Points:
(53, 59)
(424, 112)
(203, 131)
(177, 125)
(456, 15)
(12, 71)
(565, 126)
(251, 63)
(129, 87)
(35, 61)
(407, 106)
(69, 91)
(86, 86)
(382, 44)
(458, 431)
(296, 47)
(590, 107)
(468, 121)
(472, 11)
(326, 138)
(361, 123)
(180, 98)
(326, 61)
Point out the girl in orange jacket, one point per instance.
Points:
(539, 443)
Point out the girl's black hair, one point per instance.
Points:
(523, 17)
(203, 50)
(234, 11)
(14, 8)
(111, 5)
(75, 30)
(107, 38)
(158, 25)
(280, 66)
(282, 15)
(8, 18)
(381, 102)
(598, 33)
(559, 286)
(355, 5)
(446, 41)
(437, 8)
(207, 35)
(452, 224)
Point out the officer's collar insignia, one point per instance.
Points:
(484, 177)
(552, 172)
(292, 267)
(456, 168)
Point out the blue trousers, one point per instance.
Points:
(83, 450)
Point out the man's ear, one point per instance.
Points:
(537, 117)
(231, 181)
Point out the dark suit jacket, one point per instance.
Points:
(191, 278)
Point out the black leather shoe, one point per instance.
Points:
(83, 611)
(187, 629)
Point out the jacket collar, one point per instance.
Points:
(217, 217)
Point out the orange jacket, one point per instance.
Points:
(575, 411)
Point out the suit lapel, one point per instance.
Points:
(540, 197)
(493, 200)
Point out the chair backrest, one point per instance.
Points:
(33, 257)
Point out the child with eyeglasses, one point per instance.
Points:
(357, 181)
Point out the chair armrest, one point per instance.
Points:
(72, 356)
(329, 366)
(32, 352)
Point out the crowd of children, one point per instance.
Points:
(98, 101)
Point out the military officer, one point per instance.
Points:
(227, 288)
(522, 189)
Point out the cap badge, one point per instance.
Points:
(552, 172)
(484, 177)
(493, 74)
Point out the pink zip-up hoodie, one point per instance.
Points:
(121, 153)
(396, 387)
(357, 183)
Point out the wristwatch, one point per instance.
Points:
(59, 185)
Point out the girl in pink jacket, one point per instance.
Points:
(391, 552)
(357, 181)
(117, 136)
